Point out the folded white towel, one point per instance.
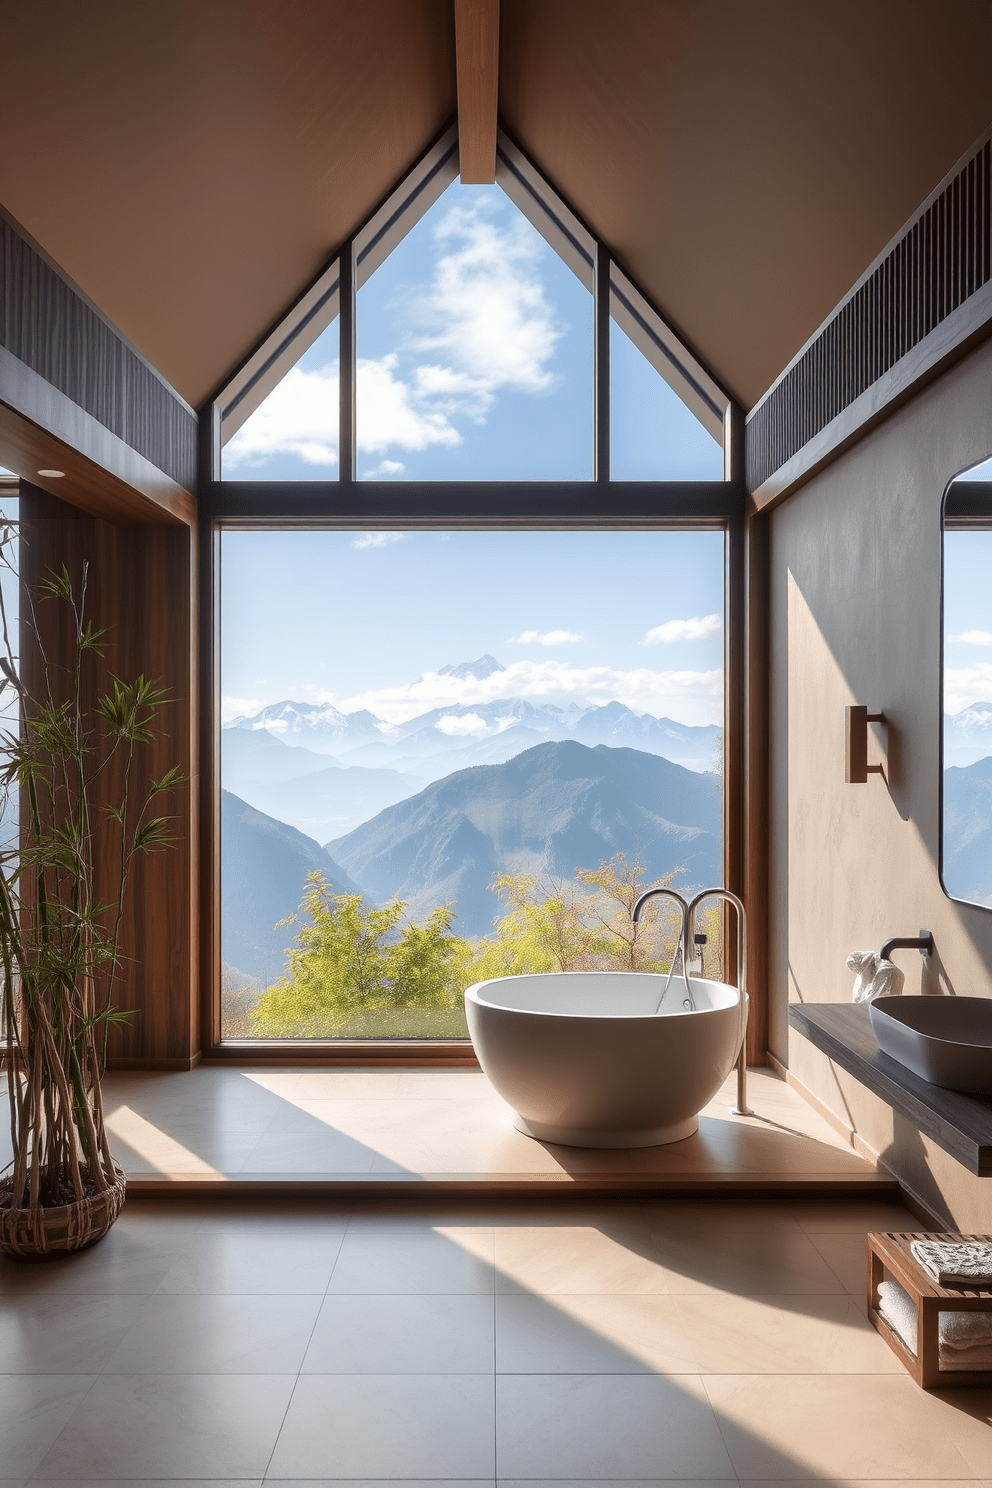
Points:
(874, 977)
(964, 1338)
(950, 1261)
(973, 1358)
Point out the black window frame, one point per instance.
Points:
(346, 503)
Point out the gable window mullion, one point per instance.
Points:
(601, 375)
(347, 468)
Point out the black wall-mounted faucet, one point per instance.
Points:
(922, 943)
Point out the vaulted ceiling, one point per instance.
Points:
(190, 165)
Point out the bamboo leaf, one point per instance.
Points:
(58, 586)
(169, 781)
(152, 834)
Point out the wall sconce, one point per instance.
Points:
(856, 754)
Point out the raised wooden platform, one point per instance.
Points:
(432, 1133)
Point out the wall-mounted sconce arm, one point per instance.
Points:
(857, 719)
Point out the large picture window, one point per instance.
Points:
(451, 754)
(473, 544)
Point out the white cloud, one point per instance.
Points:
(549, 638)
(386, 469)
(482, 324)
(973, 637)
(299, 417)
(387, 411)
(465, 725)
(698, 628)
(379, 539)
(691, 696)
(486, 311)
(241, 707)
(966, 685)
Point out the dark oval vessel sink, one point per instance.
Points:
(945, 1040)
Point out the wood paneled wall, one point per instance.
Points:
(142, 588)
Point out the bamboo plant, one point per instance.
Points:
(70, 774)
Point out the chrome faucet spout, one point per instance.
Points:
(682, 944)
(742, 1108)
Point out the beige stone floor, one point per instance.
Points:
(375, 1126)
(657, 1342)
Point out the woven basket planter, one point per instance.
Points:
(40, 1233)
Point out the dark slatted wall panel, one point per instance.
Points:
(942, 259)
(45, 324)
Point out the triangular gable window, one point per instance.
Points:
(474, 352)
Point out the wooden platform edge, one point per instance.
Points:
(413, 1187)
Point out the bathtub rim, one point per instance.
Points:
(737, 1000)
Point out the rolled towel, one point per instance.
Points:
(899, 1311)
(955, 1261)
(874, 976)
(960, 1335)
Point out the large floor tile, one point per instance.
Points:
(846, 1254)
(853, 1216)
(832, 1426)
(33, 1410)
(782, 1335)
(612, 1427)
(267, 1257)
(213, 1334)
(674, 1212)
(63, 1335)
(635, 1333)
(388, 1426)
(865, 1482)
(426, 1334)
(146, 1483)
(411, 1260)
(132, 1259)
(628, 1483)
(579, 1258)
(752, 1261)
(384, 1482)
(171, 1426)
(965, 1417)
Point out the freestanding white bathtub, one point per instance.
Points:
(585, 1059)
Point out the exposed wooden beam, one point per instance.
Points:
(477, 65)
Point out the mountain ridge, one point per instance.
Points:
(546, 810)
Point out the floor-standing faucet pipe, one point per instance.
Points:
(742, 1108)
(683, 940)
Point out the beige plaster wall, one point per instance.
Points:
(855, 618)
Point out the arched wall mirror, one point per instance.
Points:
(966, 686)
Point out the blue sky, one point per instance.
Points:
(357, 618)
(968, 613)
(474, 363)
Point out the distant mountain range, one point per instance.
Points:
(314, 792)
(264, 867)
(968, 831)
(556, 806)
(303, 762)
(968, 735)
(548, 810)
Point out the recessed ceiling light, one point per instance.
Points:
(52, 474)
